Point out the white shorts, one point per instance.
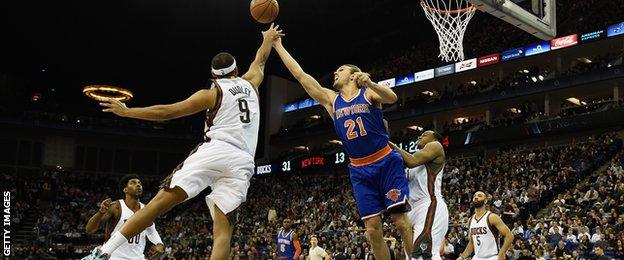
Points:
(223, 167)
(430, 226)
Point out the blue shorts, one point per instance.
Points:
(379, 186)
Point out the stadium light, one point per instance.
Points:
(460, 120)
(575, 101)
(584, 60)
(315, 117)
(337, 142)
(415, 128)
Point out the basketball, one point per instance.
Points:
(264, 11)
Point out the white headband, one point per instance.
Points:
(223, 71)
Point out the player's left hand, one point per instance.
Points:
(156, 251)
(361, 78)
(114, 106)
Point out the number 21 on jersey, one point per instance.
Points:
(350, 125)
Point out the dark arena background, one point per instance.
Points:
(536, 124)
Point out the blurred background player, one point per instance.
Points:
(484, 232)
(429, 214)
(376, 172)
(288, 245)
(117, 212)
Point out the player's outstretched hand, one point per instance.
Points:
(272, 33)
(361, 78)
(114, 106)
(156, 251)
(105, 205)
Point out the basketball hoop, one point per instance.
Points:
(449, 18)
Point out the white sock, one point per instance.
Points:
(115, 241)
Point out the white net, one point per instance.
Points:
(449, 18)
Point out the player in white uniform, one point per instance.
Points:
(117, 212)
(484, 232)
(225, 161)
(429, 213)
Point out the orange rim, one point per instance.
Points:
(470, 8)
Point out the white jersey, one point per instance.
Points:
(485, 237)
(135, 246)
(235, 119)
(424, 183)
(317, 253)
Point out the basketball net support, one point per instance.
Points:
(544, 28)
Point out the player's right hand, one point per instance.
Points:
(105, 205)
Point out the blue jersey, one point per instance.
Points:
(359, 124)
(285, 247)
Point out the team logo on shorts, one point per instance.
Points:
(393, 195)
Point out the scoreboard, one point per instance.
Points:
(304, 163)
(329, 160)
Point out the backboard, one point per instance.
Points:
(537, 17)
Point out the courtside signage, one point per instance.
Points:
(564, 42)
(466, 65)
(405, 80)
(488, 60)
(615, 29)
(423, 75)
(513, 54)
(537, 48)
(388, 83)
(592, 35)
(445, 70)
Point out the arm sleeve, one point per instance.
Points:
(153, 235)
(297, 249)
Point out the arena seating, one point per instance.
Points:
(519, 181)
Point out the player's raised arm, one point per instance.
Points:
(199, 101)
(375, 92)
(427, 154)
(497, 222)
(255, 74)
(104, 214)
(310, 85)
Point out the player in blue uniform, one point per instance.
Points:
(288, 246)
(377, 172)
